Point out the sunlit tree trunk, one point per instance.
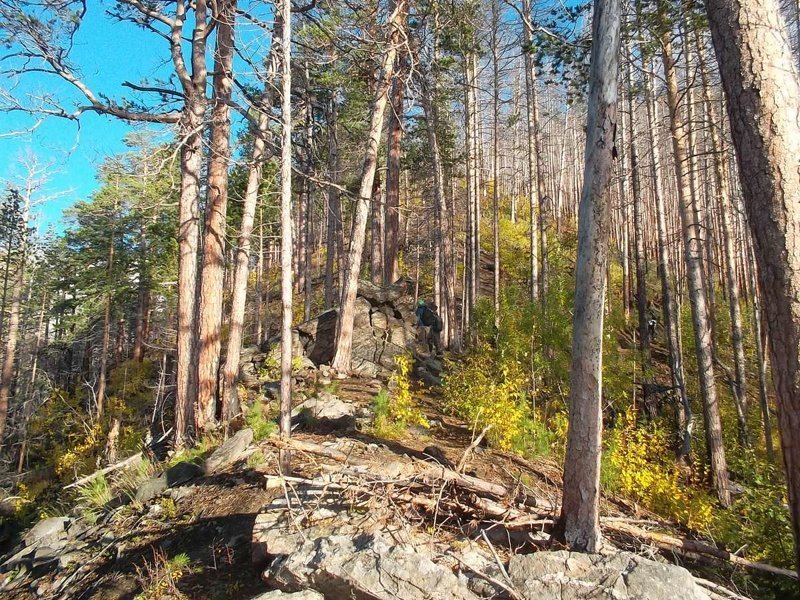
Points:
(532, 150)
(579, 523)
(334, 216)
(669, 308)
(191, 133)
(761, 84)
(260, 129)
(285, 419)
(697, 290)
(344, 330)
(391, 269)
(209, 320)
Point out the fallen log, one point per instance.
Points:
(467, 482)
(684, 547)
(312, 448)
(115, 467)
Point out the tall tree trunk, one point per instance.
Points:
(100, 395)
(230, 392)
(9, 358)
(495, 43)
(725, 211)
(391, 269)
(444, 228)
(285, 419)
(669, 307)
(533, 150)
(638, 235)
(344, 329)
(191, 133)
(579, 523)
(213, 269)
(761, 84)
(697, 290)
(334, 215)
(763, 395)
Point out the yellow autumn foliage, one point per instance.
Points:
(640, 465)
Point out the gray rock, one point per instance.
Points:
(229, 452)
(152, 488)
(366, 566)
(342, 559)
(278, 594)
(326, 410)
(46, 531)
(183, 472)
(565, 575)
(325, 406)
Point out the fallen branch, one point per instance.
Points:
(115, 467)
(463, 462)
(467, 482)
(684, 547)
(719, 589)
(312, 448)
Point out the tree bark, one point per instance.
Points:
(391, 269)
(191, 134)
(533, 150)
(344, 329)
(285, 420)
(209, 334)
(334, 216)
(697, 290)
(669, 306)
(761, 84)
(230, 393)
(579, 523)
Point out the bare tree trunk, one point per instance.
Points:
(495, 43)
(697, 291)
(230, 392)
(286, 233)
(7, 375)
(579, 523)
(443, 240)
(756, 63)
(308, 222)
(469, 160)
(638, 235)
(213, 268)
(533, 150)
(344, 330)
(191, 133)
(725, 209)
(391, 269)
(668, 296)
(334, 216)
(763, 396)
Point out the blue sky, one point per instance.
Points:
(108, 53)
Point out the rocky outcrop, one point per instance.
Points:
(384, 327)
(312, 540)
(567, 575)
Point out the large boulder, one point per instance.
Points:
(565, 575)
(47, 531)
(383, 328)
(229, 452)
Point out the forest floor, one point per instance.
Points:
(130, 553)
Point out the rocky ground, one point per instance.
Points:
(432, 515)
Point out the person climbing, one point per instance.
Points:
(428, 317)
